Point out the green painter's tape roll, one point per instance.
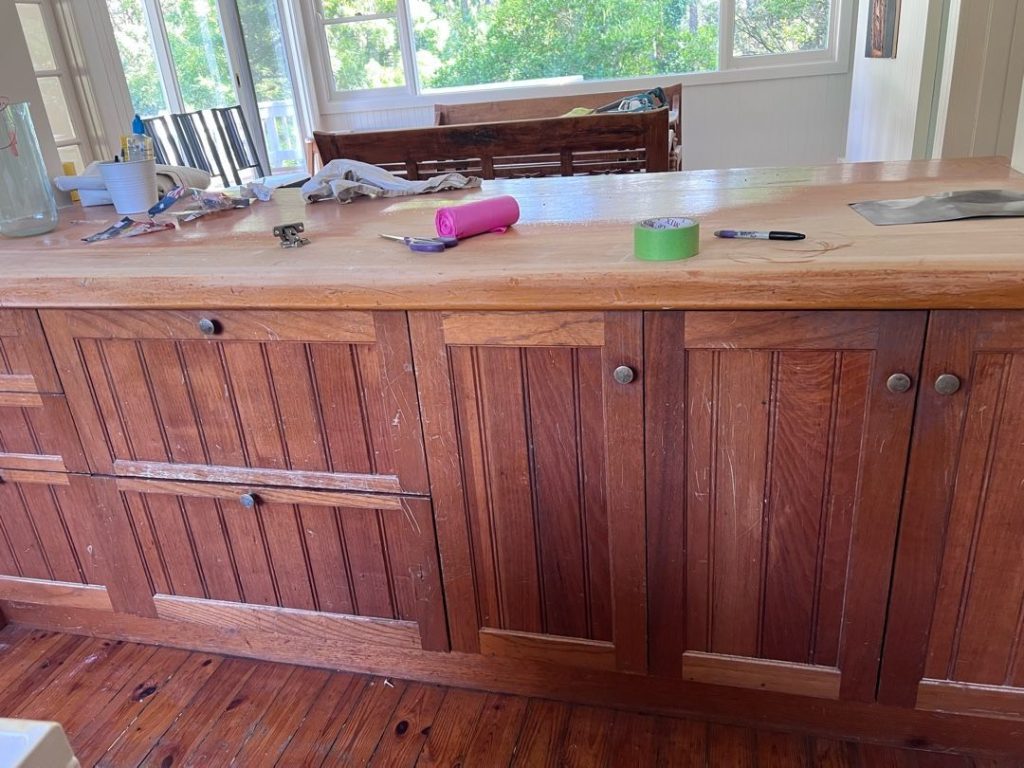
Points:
(666, 239)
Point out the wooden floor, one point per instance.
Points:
(124, 704)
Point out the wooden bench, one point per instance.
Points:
(613, 142)
(556, 106)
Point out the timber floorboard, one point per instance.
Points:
(125, 704)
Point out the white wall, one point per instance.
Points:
(787, 121)
(891, 99)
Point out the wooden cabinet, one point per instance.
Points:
(956, 630)
(536, 459)
(308, 399)
(47, 515)
(775, 463)
(338, 555)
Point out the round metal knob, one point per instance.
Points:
(947, 384)
(247, 500)
(208, 327)
(624, 374)
(898, 382)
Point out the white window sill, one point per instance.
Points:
(393, 98)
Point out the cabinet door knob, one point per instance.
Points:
(247, 500)
(209, 327)
(947, 384)
(898, 382)
(624, 374)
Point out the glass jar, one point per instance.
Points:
(27, 204)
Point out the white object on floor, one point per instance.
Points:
(34, 744)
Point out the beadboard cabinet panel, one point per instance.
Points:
(775, 459)
(956, 635)
(46, 528)
(25, 364)
(314, 399)
(325, 552)
(536, 460)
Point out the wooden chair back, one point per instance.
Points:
(549, 106)
(555, 106)
(561, 146)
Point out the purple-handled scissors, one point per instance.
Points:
(425, 244)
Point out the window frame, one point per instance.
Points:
(834, 59)
(63, 73)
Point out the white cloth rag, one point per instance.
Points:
(345, 180)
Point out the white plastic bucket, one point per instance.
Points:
(132, 185)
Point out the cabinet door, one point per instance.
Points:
(327, 556)
(955, 640)
(311, 399)
(775, 459)
(536, 458)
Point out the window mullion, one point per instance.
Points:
(726, 33)
(407, 44)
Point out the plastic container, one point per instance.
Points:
(132, 185)
(27, 204)
(34, 744)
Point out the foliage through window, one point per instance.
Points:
(465, 43)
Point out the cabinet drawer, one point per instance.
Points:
(46, 528)
(308, 399)
(37, 434)
(327, 552)
(25, 364)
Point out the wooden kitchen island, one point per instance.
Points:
(777, 484)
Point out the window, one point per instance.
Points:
(189, 55)
(59, 98)
(418, 46)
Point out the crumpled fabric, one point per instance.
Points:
(345, 180)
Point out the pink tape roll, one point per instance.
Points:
(493, 215)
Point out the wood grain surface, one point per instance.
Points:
(124, 705)
(572, 249)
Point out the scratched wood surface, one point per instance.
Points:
(769, 526)
(124, 705)
(572, 249)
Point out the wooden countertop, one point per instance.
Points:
(571, 250)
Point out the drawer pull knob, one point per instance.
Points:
(209, 327)
(898, 382)
(247, 500)
(947, 384)
(624, 374)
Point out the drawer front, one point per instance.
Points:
(309, 399)
(25, 364)
(37, 434)
(344, 554)
(46, 528)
